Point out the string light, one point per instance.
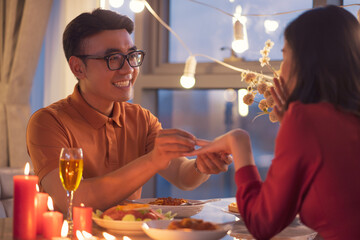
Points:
(243, 109)
(187, 80)
(137, 5)
(270, 25)
(103, 4)
(230, 95)
(240, 43)
(116, 3)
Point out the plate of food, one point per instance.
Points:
(232, 209)
(128, 218)
(187, 228)
(179, 206)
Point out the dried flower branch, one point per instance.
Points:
(258, 84)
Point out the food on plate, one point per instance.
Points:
(168, 201)
(233, 207)
(133, 212)
(193, 224)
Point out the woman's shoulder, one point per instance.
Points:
(311, 110)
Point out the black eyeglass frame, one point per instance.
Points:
(107, 57)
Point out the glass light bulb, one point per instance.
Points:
(230, 95)
(116, 3)
(137, 6)
(270, 25)
(187, 81)
(240, 46)
(243, 109)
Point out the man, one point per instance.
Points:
(123, 143)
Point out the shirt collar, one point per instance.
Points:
(93, 117)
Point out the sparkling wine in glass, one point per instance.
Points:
(71, 169)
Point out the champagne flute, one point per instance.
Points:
(70, 169)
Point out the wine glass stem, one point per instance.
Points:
(70, 196)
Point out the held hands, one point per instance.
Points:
(235, 142)
(169, 144)
(213, 163)
(280, 94)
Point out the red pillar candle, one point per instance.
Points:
(82, 218)
(24, 225)
(40, 208)
(52, 221)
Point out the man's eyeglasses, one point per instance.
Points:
(116, 61)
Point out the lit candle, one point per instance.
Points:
(24, 205)
(53, 222)
(108, 236)
(88, 236)
(83, 235)
(40, 208)
(64, 232)
(82, 218)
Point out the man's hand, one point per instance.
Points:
(169, 144)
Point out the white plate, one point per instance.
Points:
(232, 213)
(181, 211)
(295, 231)
(158, 230)
(122, 227)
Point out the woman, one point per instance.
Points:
(316, 168)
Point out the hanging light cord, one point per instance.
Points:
(262, 15)
(232, 67)
(149, 8)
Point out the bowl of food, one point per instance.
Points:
(187, 228)
(128, 218)
(180, 207)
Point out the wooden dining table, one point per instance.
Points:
(216, 212)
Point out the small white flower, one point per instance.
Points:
(265, 52)
(264, 61)
(269, 44)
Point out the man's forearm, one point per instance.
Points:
(104, 191)
(182, 173)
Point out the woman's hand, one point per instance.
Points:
(236, 142)
(280, 95)
(169, 144)
(213, 163)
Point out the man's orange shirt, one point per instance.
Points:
(108, 143)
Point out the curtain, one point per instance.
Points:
(22, 29)
(59, 80)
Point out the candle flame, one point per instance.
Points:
(126, 238)
(86, 234)
(64, 229)
(27, 168)
(79, 235)
(108, 236)
(82, 205)
(37, 188)
(50, 204)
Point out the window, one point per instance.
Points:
(203, 111)
(206, 114)
(207, 30)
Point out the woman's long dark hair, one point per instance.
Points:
(326, 58)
